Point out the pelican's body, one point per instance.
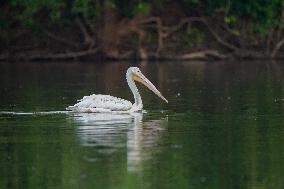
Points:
(106, 103)
(101, 103)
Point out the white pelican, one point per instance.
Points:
(106, 103)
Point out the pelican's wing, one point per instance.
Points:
(100, 103)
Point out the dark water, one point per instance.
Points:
(223, 127)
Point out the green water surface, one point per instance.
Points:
(223, 127)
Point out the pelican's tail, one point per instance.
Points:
(70, 108)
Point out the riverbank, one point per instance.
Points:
(173, 30)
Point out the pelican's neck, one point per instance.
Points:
(134, 90)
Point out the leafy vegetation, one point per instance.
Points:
(264, 13)
(258, 19)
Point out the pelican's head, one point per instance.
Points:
(137, 75)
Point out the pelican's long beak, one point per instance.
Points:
(142, 79)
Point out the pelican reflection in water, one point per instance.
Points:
(111, 132)
(106, 103)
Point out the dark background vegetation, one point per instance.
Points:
(141, 29)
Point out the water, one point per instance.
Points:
(223, 127)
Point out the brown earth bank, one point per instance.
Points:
(166, 34)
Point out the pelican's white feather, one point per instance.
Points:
(101, 103)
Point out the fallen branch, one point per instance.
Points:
(68, 55)
(203, 55)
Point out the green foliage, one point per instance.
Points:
(31, 7)
(230, 19)
(265, 14)
(194, 38)
(142, 8)
(86, 8)
(131, 8)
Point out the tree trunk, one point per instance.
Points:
(109, 38)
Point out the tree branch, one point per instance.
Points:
(60, 39)
(184, 21)
(277, 48)
(88, 40)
